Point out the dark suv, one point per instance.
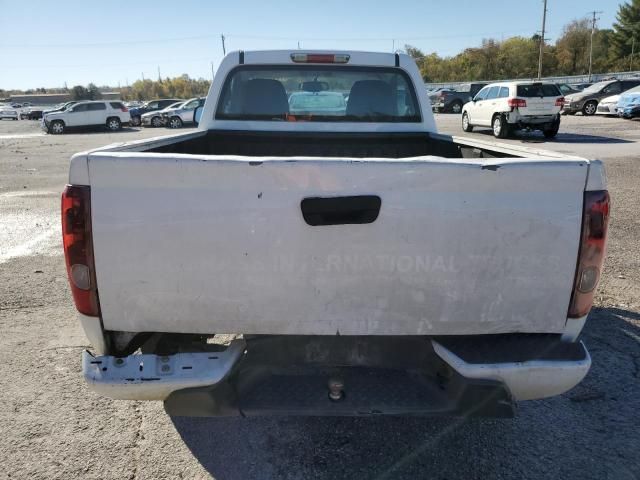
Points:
(452, 100)
(587, 100)
(150, 106)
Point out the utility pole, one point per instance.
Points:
(593, 30)
(142, 77)
(159, 77)
(633, 47)
(224, 49)
(544, 22)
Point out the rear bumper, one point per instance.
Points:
(607, 109)
(289, 375)
(155, 377)
(514, 118)
(528, 379)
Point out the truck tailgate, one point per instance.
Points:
(203, 244)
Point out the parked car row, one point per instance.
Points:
(445, 100)
(26, 111)
(601, 98)
(607, 93)
(113, 115)
(175, 115)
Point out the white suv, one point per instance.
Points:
(508, 106)
(101, 113)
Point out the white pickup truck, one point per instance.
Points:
(345, 259)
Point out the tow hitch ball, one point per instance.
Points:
(336, 389)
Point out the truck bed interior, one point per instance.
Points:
(351, 145)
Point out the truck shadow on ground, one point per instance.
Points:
(538, 137)
(590, 432)
(98, 131)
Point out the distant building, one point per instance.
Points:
(41, 98)
(110, 95)
(54, 98)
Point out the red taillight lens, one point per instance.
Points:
(78, 248)
(595, 221)
(124, 109)
(516, 102)
(319, 57)
(560, 102)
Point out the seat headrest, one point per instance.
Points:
(264, 96)
(371, 97)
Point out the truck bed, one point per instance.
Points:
(218, 241)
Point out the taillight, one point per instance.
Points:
(78, 248)
(124, 109)
(516, 102)
(595, 221)
(560, 102)
(319, 58)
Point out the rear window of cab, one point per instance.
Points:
(318, 93)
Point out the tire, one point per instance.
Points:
(500, 126)
(156, 122)
(136, 121)
(552, 131)
(466, 126)
(456, 107)
(175, 122)
(57, 127)
(590, 108)
(114, 124)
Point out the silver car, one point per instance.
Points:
(155, 119)
(8, 112)
(177, 117)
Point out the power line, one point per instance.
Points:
(129, 43)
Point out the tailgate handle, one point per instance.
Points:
(358, 209)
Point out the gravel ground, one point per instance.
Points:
(51, 426)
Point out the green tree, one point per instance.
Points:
(178, 87)
(518, 58)
(93, 93)
(602, 51)
(572, 48)
(625, 30)
(78, 92)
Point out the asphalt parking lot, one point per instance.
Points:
(54, 427)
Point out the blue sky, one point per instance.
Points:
(117, 42)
